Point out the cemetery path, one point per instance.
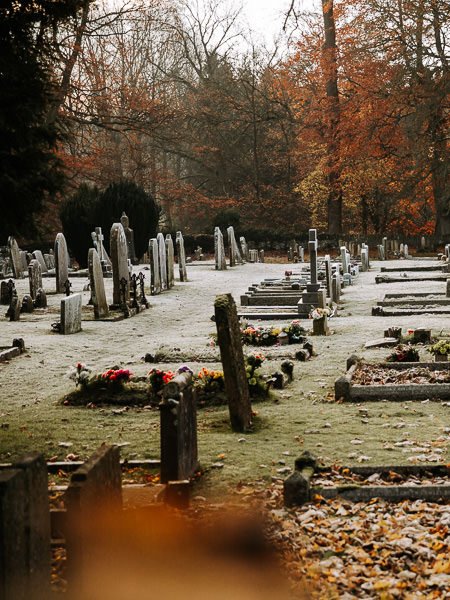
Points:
(305, 415)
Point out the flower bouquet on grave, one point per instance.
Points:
(81, 374)
(440, 349)
(319, 313)
(403, 353)
(257, 385)
(115, 379)
(158, 379)
(210, 386)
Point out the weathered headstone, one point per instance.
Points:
(328, 273)
(261, 256)
(162, 260)
(16, 260)
(61, 263)
(23, 257)
(232, 356)
(6, 291)
(37, 255)
(364, 260)
(97, 285)
(41, 299)
(234, 254)
(344, 259)
(335, 288)
(153, 251)
(252, 256)
(27, 304)
(129, 234)
(170, 256)
(178, 431)
(48, 258)
(119, 260)
(34, 277)
(244, 248)
(219, 250)
(320, 326)
(181, 255)
(71, 314)
(14, 308)
(447, 289)
(37, 525)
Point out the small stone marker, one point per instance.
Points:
(119, 260)
(335, 288)
(71, 314)
(153, 251)
(320, 326)
(97, 284)
(219, 250)
(61, 263)
(162, 261)
(170, 255)
(181, 254)
(16, 260)
(41, 299)
(37, 255)
(15, 306)
(232, 356)
(34, 277)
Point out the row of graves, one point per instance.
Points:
(236, 256)
(401, 377)
(128, 294)
(314, 290)
(93, 497)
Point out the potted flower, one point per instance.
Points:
(440, 349)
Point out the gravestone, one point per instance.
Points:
(178, 430)
(364, 260)
(71, 314)
(6, 291)
(381, 252)
(34, 277)
(162, 261)
(94, 493)
(119, 261)
(252, 256)
(181, 255)
(234, 254)
(335, 288)
(129, 234)
(314, 296)
(447, 289)
(97, 238)
(97, 285)
(328, 274)
(244, 248)
(37, 525)
(406, 251)
(170, 255)
(320, 326)
(48, 258)
(37, 255)
(41, 299)
(16, 260)
(155, 281)
(61, 263)
(261, 256)
(344, 259)
(27, 304)
(13, 545)
(219, 250)
(23, 258)
(232, 356)
(301, 254)
(14, 308)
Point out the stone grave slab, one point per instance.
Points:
(347, 390)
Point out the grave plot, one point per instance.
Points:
(393, 483)
(414, 269)
(412, 304)
(8, 352)
(405, 278)
(396, 381)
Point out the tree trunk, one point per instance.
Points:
(334, 202)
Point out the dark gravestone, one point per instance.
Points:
(34, 277)
(15, 306)
(178, 412)
(16, 260)
(232, 356)
(37, 525)
(13, 561)
(6, 289)
(27, 304)
(41, 299)
(93, 498)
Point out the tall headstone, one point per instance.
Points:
(155, 281)
(406, 251)
(219, 250)
(98, 295)
(162, 260)
(328, 273)
(61, 263)
(181, 255)
(364, 260)
(170, 255)
(16, 260)
(129, 234)
(234, 254)
(335, 288)
(244, 248)
(232, 356)
(23, 258)
(119, 260)
(71, 314)
(314, 296)
(34, 277)
(37, 254)
(344, 259)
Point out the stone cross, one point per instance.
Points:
(181, 254)
(119, 260)
(97, 284)
(232, 356)
(219, 250)
(153, 252)
(61, 263)
(162, 260)
(170, 255)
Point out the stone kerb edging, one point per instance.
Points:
(345, 390)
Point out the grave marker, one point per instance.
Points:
(37, 255)
(162, 261)
(34, 277)
(71, 314)
(16, 260)
(153, 251)
(97, 284)
(170, 261)
(129, 234)
(61, 263)
(219, 250)
(232, 356)
(119, 260)
(181, 254)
